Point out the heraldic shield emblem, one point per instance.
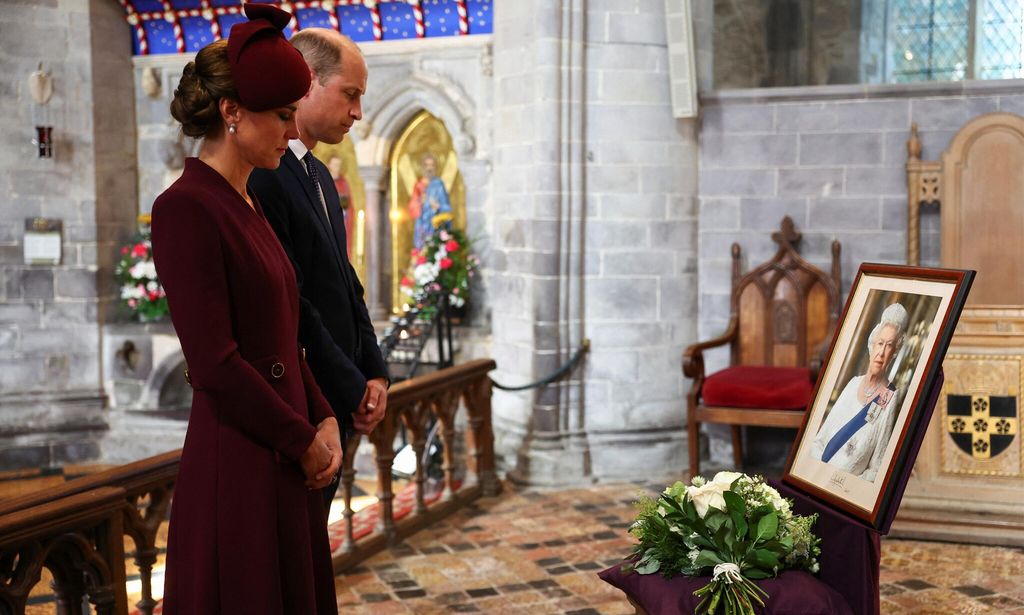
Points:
(983, 426)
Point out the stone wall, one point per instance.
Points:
(593, 220)
(832, 158)
(50, 381)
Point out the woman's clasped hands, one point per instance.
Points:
(322, 460)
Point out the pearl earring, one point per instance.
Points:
(232, 129)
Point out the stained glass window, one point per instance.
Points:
(927, 40)
(952, 40)
(1000, 53)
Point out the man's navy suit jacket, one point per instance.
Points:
(334, 325)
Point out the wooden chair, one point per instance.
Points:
(782, 316)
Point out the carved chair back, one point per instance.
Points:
(786, 308)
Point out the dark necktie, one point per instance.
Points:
(314, 176)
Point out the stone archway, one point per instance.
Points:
(374, 139)
(422, 92)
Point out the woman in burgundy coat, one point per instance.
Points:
(248, 532)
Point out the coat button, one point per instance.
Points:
(188, 377)
(277, 370)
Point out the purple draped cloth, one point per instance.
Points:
(791, 593)
(850, 556)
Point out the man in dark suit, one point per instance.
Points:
(301, 203)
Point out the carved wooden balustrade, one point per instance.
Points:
(76, 530)
(413, 403)
(79, 539)
(144, 490)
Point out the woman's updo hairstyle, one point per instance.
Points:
(204, 82)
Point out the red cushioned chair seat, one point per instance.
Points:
(747, 386)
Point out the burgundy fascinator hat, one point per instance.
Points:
(268, 72)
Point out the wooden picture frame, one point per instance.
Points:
(856, 441)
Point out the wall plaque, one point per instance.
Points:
(43, 239)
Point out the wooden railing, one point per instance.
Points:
(143, 491)
(414, 403)
(76, 530)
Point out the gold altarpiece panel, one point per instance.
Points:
(423, 151)
(968, 482)
(341, 162)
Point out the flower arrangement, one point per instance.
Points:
(444, 264)
(734, 527)
(141, 292)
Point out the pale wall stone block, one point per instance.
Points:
(614, 298)
(736, 182)
(739, 118)
(767, 214)
(947, 113)
(845, 213)
(840, 148)
(743, 150)
(811, 182)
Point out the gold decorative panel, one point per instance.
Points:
(980, 410)
(341, 162)
(425, 136)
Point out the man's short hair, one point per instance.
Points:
(321, 49)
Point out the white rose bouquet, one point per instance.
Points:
(734, 527)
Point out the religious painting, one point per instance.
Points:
(871, 400)
(341, 162)
(980, 410)
(427, 193)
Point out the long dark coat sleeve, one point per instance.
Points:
(334, 324)
(246, 535)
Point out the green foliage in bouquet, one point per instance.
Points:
(735, 528)
(140, 291)
(443, 265)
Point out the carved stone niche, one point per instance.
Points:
(968, 483)
(149, 398)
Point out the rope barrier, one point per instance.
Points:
(558, 373)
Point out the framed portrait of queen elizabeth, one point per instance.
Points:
(873, 391)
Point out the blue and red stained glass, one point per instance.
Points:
(397, 20)
(313, 18)
(160, 36)
(440, 17)
(481, 16)
(356, 22)
(198, 32)
(148, 6)
(227, 21)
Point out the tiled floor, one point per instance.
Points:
(538, 552)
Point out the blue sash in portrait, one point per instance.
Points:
(851, 427)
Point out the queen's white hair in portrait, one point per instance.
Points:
(896, 317)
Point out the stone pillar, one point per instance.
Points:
(378, 241)
(535, 285)
(593, 237)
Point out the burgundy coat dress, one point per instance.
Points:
(246, 535)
